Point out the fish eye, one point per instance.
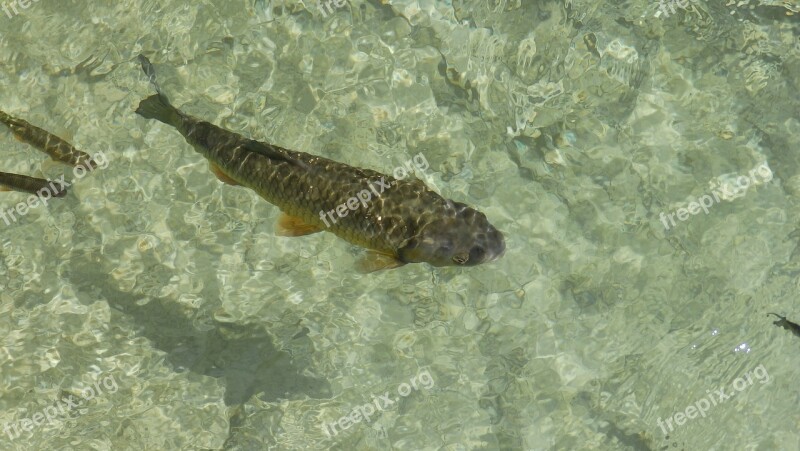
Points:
(461, 258)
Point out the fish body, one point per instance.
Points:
(32, 185)
(402, 222)
(57, 148)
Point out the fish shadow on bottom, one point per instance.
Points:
(244, 356)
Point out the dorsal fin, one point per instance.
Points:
(271, 152)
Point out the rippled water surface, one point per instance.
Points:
(640, 158)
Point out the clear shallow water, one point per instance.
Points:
(166, 298)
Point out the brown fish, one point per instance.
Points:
(400, 220)
(57, 148)
(32, 185)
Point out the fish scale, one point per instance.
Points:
(405, 222)
(57, 148)
(52, 145)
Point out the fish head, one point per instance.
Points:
(459, 236)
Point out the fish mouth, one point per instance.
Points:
(487, 246)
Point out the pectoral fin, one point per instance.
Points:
(221, 175)
(375, 261)
(294, 226)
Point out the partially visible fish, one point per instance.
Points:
(57, 148)
(32, 185)
(406, 223)
(786, 324)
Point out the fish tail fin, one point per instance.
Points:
(158, 107)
